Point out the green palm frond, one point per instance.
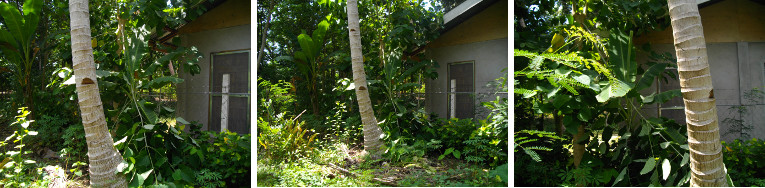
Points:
(529, 144)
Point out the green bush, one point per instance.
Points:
(160, 154)
(284, 140)
(276, 95)
(399, 150)
(452, 132)
(14, 160)
(228, 155)
(51, 130)
(75, 144)
(745, 162)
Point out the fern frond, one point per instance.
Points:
(532, 154)
(526, 141)
(540, 148)
(536, 63)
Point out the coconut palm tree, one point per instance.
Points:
(372, 131)
(696, 85)
(102, 155)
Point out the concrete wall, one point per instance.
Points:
(735, 34)
(489, 57)
(193, 96)
(725, 21)
(736, 68)
(482, 39)
(228, 14)
(489, 24)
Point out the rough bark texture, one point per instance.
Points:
(102, 155)
(696, 84)
(372, 132)
(579, 148)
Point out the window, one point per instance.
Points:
(232, 69)
(460, 83)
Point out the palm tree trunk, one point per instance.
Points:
(102, 155)
(696, 84)
(372, 132)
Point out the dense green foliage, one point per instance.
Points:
(745, 162)
(308, 113)
(158, 147)
(576, 71)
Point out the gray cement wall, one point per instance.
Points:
(489, 57)
(736, 69)
(193, 93)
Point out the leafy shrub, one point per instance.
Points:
(536, 174)
(452, 132)
(399, 150)
(14, 162)
(538, 167)
(737, 113)
(345, 126)
(159, 154)
(284, 140)
(74, 141)
(655, 153)
(529, 142)
(586, 175)
(229, 156)
(745, 162)
(209, 179)
(51, 130)
(273, 98)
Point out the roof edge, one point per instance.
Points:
(464, 11)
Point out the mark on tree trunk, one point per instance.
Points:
(86, 81)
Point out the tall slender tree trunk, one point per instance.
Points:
(102, 155)
(696, 84)
(265, 32)
(372, 132)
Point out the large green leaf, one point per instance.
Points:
(31, 11)
(661, 97)
(151, 116)
(500, 171)
(414, 68)
(307, 46)
(649, 164)
(8, 42)
(620, 177)
(13, 21)
(32, 7)
(648, 77)
(615, 88)
(584, 114)
(621, 54)
(162, 81)
(318, 35)
(560, 100)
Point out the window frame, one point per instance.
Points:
(218, 94)
(449, 93)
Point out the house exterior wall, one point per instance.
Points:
(481, 39)
(725, 21)
(489, 59)
(735, 34)
(193, 93)
(228, 14)
(489, 24)
(736, 68)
